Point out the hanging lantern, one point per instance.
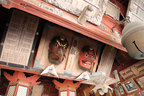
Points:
(19, 84)
(133, 39)
(67, 88)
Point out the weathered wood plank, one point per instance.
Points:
(107, 60)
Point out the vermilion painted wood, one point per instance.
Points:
(67, 85)
(18, 78)
(34, 72)
(89, 29)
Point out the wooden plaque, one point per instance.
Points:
(130, 86)
(135, 11)
(73, 59)
(22, 91)
(50, 31)
(127, 73)
(19, 38)
(113, 10)
(133, 71)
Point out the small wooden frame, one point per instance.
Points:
(136, 69)
(130, 86)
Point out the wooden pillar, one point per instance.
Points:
(107, 60)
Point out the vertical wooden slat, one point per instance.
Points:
(107, 60)
(97, 58)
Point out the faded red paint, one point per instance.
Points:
(90, 30)
(67, 85)
(19, 79)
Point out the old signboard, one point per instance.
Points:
(133, 71)
(130, 86)
(19, 38)
(70, 53)
(127, 73)
(135, 10)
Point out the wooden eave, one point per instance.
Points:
(88, 29)
(33, 71)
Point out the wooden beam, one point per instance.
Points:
(32, 71)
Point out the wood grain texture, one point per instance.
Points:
(42, 54)
(107, 60)
(97, 58)
(73, 59)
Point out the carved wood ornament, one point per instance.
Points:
(67, 88)
(20, 84)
